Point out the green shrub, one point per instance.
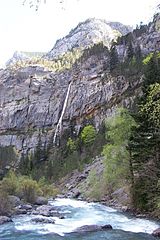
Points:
(47, 189)
(9, 184)
(147, 58)
(95, 187)
(29, 189)
(5, 206)
(88, 135)
(71, 145)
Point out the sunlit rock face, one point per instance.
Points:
(17, 56)
(32, 97)
(87, 33)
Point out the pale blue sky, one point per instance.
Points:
(25, 29)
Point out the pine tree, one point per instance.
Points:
(130, 51)
(113, 58)
(145, 140)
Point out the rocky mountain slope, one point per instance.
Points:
(32, 97)
(17, 56)
(88, 33)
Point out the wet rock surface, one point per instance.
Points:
(92, 228)
(156, 233)
(14, 200)
(41, 201)
(47, 211)
(43, 220)
(4, 219)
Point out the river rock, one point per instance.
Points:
(156, 233)
(44, 210)
(92, 228)
(23, 209)
(43, 220)
(107, 226)
(41, 201)
(19, 211)
(76, 193)
(47, 211)
(4, 219)
(26, 207)
(14, 200)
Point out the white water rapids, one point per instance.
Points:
(80, 213)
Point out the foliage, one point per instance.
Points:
(130, 51)
(117, 156)
(95, 186)
(145, 139)
(9, 184)
(152, 72)
(147, 58)
(119, 127)
(113, 58)
(25, 187)
(96, 49)
(28, 189)
(71, 145)
(62, 62)
(88, 135)
(47, 190)
(5, 206)
(151, 108)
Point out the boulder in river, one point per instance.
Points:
(92, 228)
(4, 219)
(14, 200)
(23, 209)
(41, 201)
(156, 233)
(47, 211)
(43, 220)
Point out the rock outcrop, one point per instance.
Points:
(17, 56)
(4, 219)
(156, 233)
(88, 33)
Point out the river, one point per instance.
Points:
(79, 213)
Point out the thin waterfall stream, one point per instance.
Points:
(59, 124)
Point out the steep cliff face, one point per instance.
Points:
(32, 98)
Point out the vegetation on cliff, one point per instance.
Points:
(145, 140)
(132, 152)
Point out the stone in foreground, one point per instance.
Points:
(156, 233)
(4, 219)
(43, 220)
(92, 228)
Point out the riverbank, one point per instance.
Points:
(76, 185)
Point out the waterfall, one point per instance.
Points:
(59, 124)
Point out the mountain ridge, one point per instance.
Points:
(88, 33)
